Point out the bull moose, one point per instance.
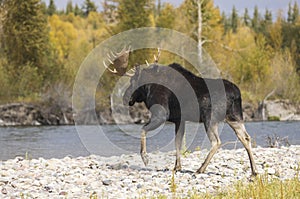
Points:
(165, 92)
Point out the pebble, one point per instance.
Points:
(271, 171)
(126, 175)
(4, 191)
(106, 182)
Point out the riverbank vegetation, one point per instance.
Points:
(41, 47)
(261, 187)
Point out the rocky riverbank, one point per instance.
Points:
(22, 114)
(126, 177)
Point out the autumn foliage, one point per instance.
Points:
(41, 46)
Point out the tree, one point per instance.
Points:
(166, 16)
(51, 8)
(78, 11)
(255, 23)
(204, 21)
(30, 59)
(88, 6)
(2, 15)
(133, 14)
(26, 33)
(226, 22)
(275, 34)
(246, 17)
(290, 14)
(234, 20)
(295, 14)
(267, 21)
(268, 17)
(158, 8)
(69, 8)
(62, 35)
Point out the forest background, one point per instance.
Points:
(42, 48)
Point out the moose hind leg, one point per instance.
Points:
(212, 133)
(244, 137)
(179, 128)
(143, 152)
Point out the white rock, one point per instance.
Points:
(271, 171)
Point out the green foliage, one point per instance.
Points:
(268, 17)
(28, 81)
(88, 6)
(234, 20)
(255, 23)
(166, 17)
(5, 90)
(51, 8)
(29, 59)
(133, 14)
(293, 13)
(69, 8)
(25, 30)
(26, 84)
(273, 118)
(210, 17)
(246, 17)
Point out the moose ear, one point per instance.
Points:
(137, 69)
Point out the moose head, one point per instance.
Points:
(119, 61)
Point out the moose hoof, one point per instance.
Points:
(145, 158)
(200, 171)
(177, 168)
(254, 174)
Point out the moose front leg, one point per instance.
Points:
(179, 128)
(158, 117)
(144, 154)
(213, 136)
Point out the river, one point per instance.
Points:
(109, 140)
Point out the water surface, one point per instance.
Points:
(108, 140)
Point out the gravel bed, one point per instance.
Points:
(126, 177)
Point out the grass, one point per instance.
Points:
(261, 187)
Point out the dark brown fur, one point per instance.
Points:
(183, 96)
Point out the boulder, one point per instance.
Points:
(282, 109)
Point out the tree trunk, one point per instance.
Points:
(200, 32)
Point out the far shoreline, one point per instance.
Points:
(26, 114)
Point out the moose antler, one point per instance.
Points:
(119, 61)
(156, 57)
